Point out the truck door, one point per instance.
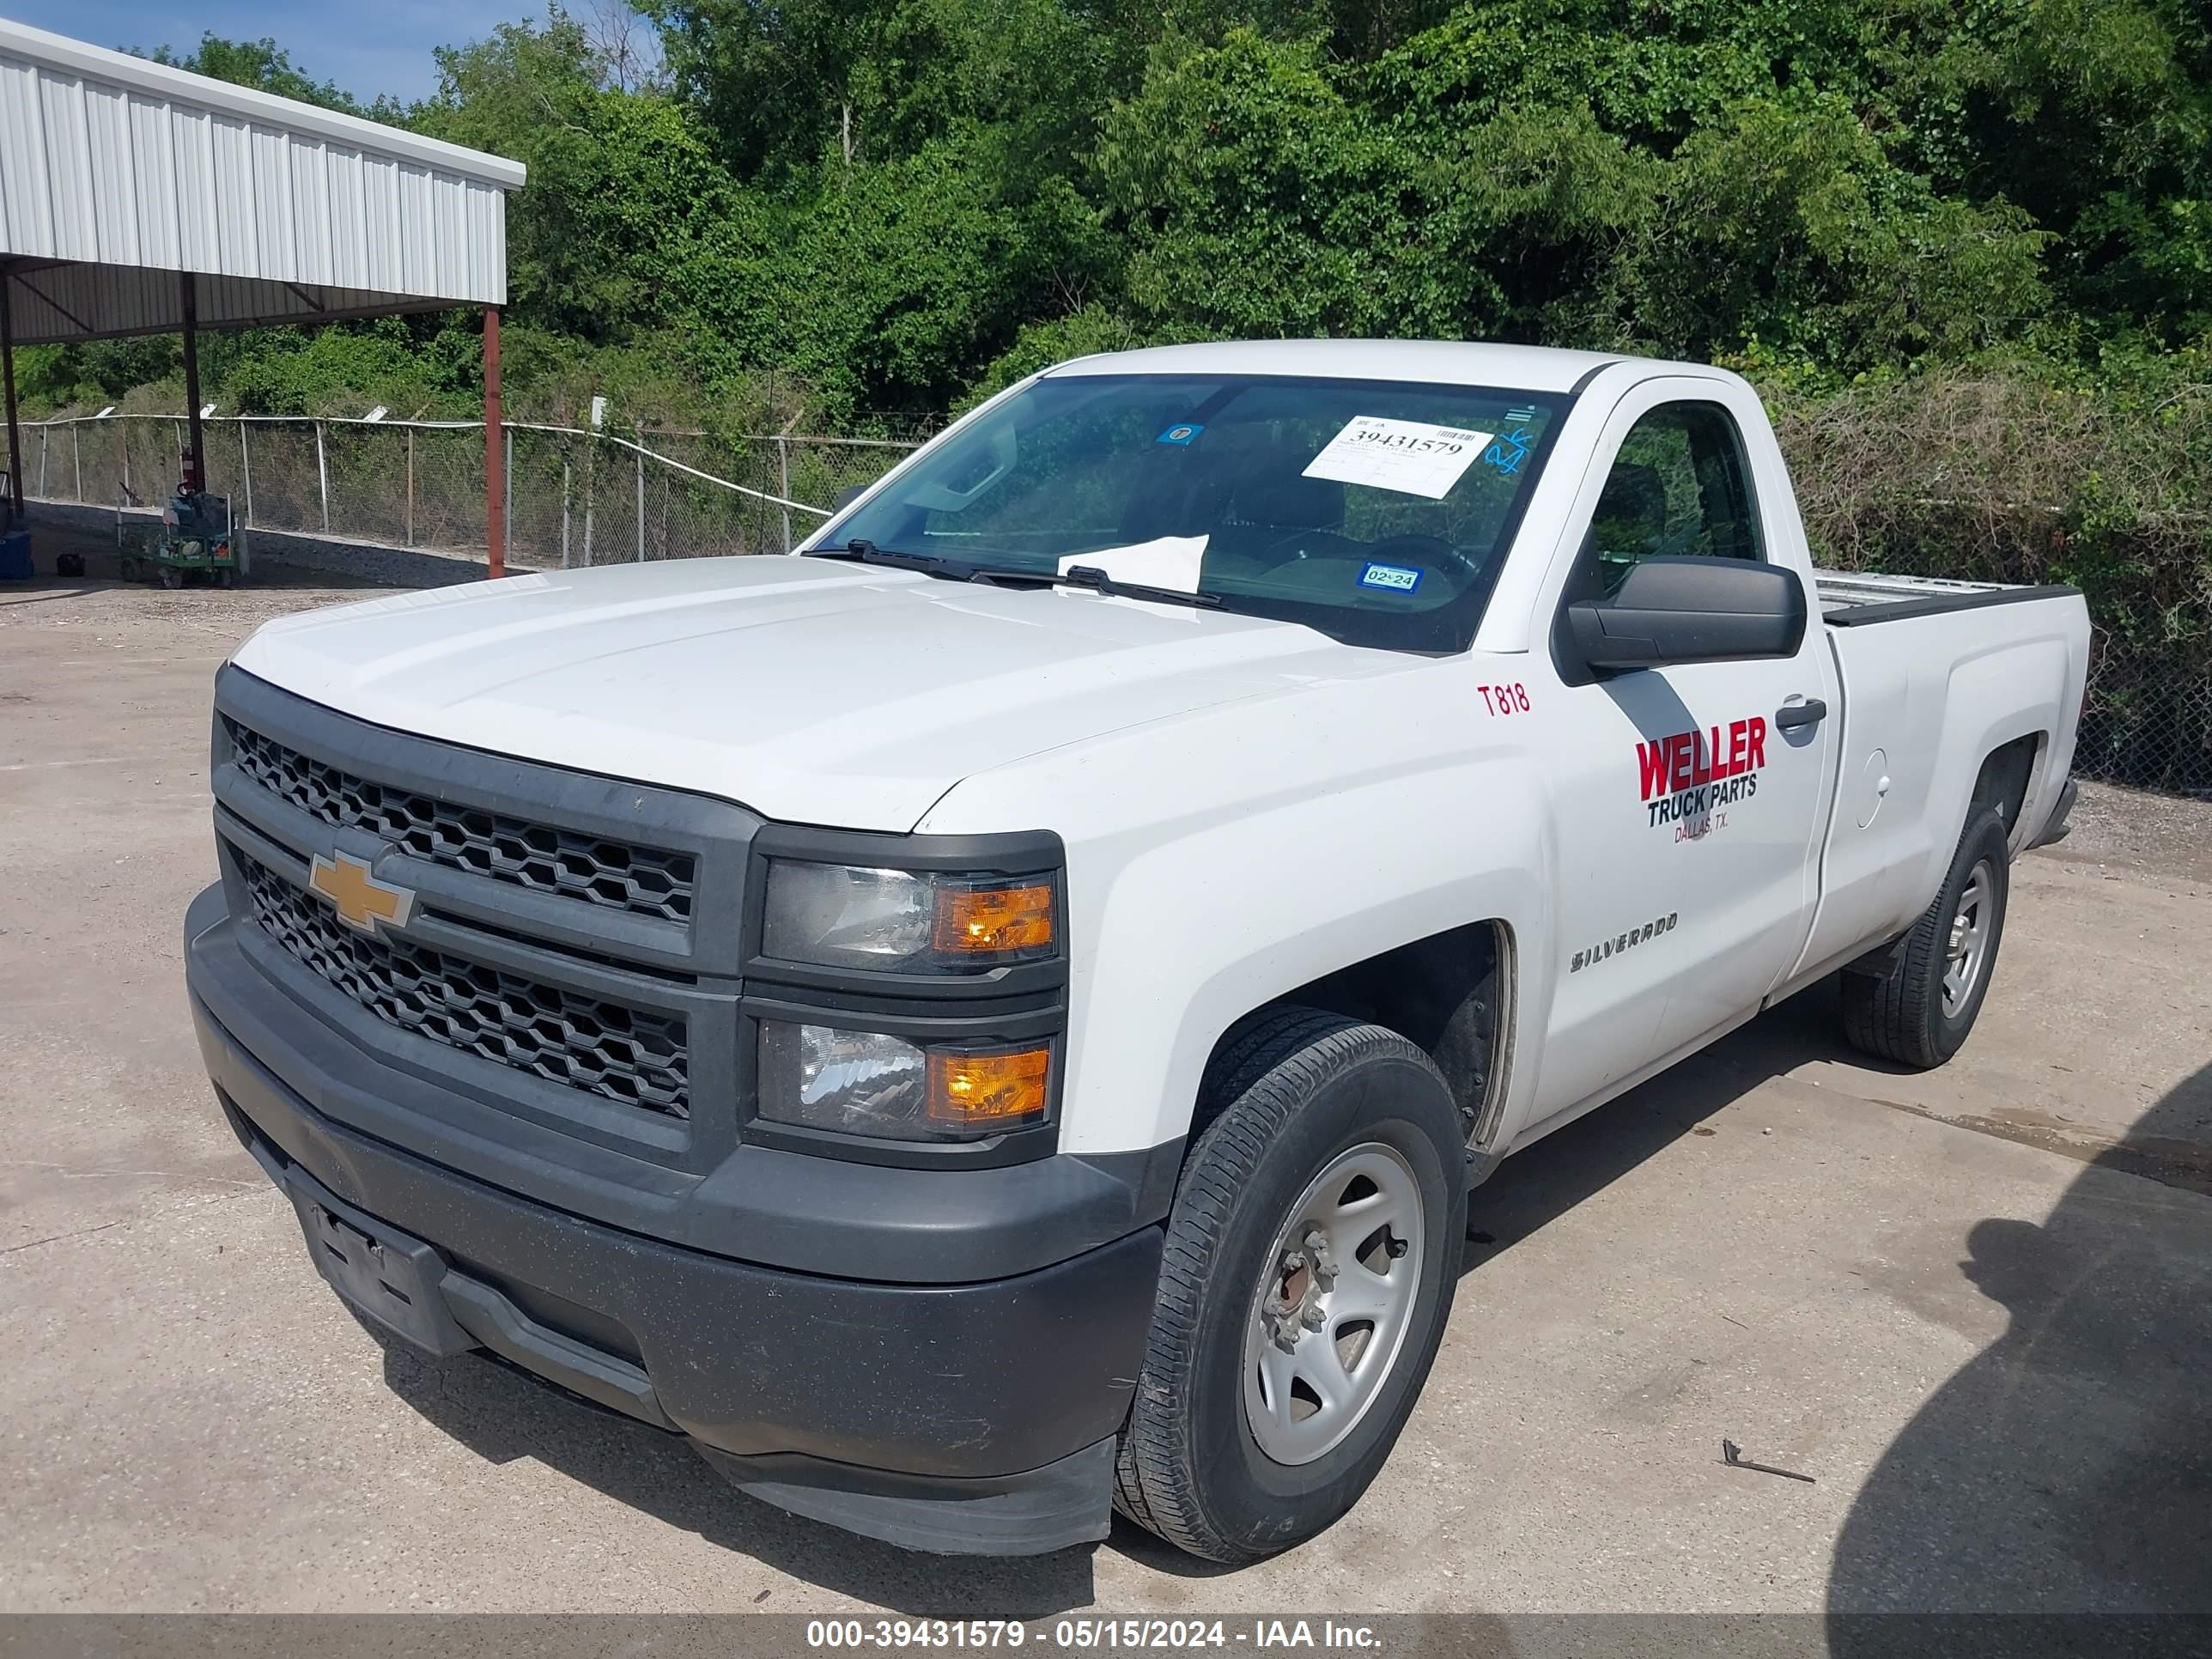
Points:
(1692, 795)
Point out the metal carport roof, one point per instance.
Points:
(135, 198)
(114, 170)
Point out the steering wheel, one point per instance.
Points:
(1302, 545)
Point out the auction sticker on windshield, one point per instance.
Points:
(1410, 457)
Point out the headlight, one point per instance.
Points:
(843, 916)
(869, 1083)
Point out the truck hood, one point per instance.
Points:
(808, 689)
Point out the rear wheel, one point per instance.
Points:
(1308, 1271)
(1919, 1012)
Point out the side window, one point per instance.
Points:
(1678, 489)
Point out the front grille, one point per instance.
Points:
(627, 1054)
(648, 880)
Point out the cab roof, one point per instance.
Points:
(1444, 362)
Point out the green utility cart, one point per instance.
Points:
(194, 541)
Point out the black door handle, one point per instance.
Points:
(1791, 715)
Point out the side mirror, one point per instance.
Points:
(1689, 610)
(850, 494)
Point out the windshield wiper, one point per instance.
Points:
(868, 553)
(1091, 576)
(960, 570)
(1079, 575)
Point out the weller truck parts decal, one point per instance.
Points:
(1686, 774)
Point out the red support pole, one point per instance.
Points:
(8, 380)
(494, 451)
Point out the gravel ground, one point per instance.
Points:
(2133, 830)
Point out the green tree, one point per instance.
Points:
(267, 67)
(622, 185)
(903, 278)
(1257, 199)
(901, 203)
(1788, 222)
(2095, 116)
(776, 82)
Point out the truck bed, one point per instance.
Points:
(1853, 601)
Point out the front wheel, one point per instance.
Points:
(1919, 1012)
(1309, 1270)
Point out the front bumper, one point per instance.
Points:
(974, 1416)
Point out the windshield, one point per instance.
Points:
(1377, 511)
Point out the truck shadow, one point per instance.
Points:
(1534, 1188)
(502, 1417)
(2067, 1469)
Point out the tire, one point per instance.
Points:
(172, 577)
(1299, 1096)
(1919, 1012)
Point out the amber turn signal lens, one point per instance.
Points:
(992, 920)
(1004, 1089)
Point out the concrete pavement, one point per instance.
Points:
(1976, 1304)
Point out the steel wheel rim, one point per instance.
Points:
(1346, 1322)
(1967, 951)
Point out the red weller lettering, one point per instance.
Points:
(1687, 759)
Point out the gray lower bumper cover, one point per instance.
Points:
(968, 1417)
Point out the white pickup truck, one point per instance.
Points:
(998, 1015)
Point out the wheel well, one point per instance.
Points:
(1449, 994)
(2002, 783)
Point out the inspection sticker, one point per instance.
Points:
(1398, 578)
(1409, 457)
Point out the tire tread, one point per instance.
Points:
(1897, 1016)
(1255, 1081)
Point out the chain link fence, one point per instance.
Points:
(572, 497)
(2147, 730)
(576, 498)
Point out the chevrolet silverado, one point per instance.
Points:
(997, 1017)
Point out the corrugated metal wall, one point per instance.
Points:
(155, 171)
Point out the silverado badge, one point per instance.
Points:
(361, 901)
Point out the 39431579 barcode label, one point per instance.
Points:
(1410, 457)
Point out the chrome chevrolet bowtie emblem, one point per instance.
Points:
(363, 902)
